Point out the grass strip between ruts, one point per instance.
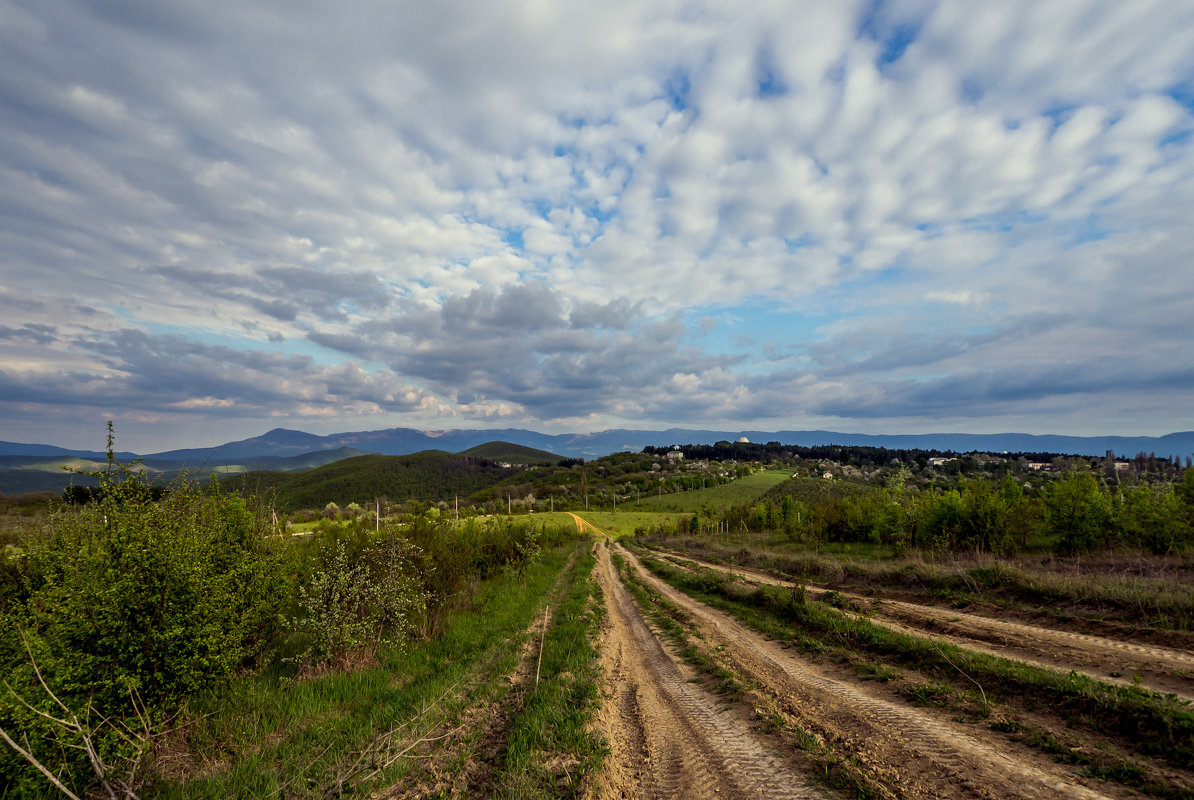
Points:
(550, 750)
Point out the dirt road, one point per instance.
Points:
(669, 737)
(918, 754)
(1126, 663)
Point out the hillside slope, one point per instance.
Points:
(512, 454)
(430, 475)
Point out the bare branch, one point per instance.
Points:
(39, 766)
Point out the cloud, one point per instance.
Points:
(529, 212)
(519, 348)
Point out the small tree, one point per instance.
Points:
(1078, 513)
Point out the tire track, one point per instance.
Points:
(667, 736)
(928, 758)
(1164, 670)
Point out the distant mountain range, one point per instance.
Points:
(257, 452)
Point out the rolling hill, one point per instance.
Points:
(46, 473)
(512, 454)
(429, 475)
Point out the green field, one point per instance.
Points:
(736, 492)
(625, 523)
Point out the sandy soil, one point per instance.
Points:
(668, 737)
(914, 753)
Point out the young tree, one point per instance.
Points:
(1079, 513)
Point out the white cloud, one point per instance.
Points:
(328, 169)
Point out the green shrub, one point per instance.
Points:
(1079, 513)
(128, 606)
(358, 598)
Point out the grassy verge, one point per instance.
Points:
(1135, 719)
(273, 737)
(549, 751)
(834, 769)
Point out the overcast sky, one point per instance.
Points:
(218, 217)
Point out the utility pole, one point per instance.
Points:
(377, 515)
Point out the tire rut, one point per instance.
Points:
(923, 756)
(1161, 669)
(668, 737)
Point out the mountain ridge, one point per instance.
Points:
(283, 442)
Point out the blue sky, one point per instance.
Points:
(886, 217)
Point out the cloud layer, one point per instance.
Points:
(886, 216)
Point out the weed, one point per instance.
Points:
(930, 694)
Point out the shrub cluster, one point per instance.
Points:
(132, 601)
(129, 605)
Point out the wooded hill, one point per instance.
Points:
(514, 454)
(431, 475)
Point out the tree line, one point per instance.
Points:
(1076, 512)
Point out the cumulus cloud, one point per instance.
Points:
(465, 211)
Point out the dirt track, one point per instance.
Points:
(920, 754)
(668, 737)
(1159, 668)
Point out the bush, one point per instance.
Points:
(131, 605)
(359, 598)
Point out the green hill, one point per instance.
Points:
(512, 454)
(430, 475)
(743, 490)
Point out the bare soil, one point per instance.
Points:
(668, 737)
(913, 753)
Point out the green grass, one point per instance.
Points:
(625, 523)
(269, 736)
(736, 492)
(560, 518)
(1150, 724)
(550, 750)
